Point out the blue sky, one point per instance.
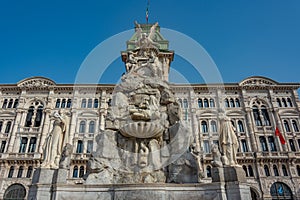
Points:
(244, 38)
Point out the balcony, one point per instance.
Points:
(30, 129)
(22, 156)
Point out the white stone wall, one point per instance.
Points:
(247, 95)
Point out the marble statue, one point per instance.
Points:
(64, 162)
(143, 132)
(144, 40)
(228, 141)
(216, 162)
(55, 141)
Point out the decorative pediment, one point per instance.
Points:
(36, 83)
(257, 81)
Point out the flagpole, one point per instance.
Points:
(147, 11)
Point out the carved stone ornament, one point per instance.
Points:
(257, 81)
(35, 83)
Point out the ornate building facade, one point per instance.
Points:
(256, 106)
(265, 114)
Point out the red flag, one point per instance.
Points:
(281, 138)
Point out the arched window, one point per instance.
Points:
(15, 191)
(29, 116)
(75, 172)
(254, 195)
(286, 126)
(79, 147)
(295, 126)
(244, 145)
(11, 172)
(82, 127)
(284, 102)
(90, 103)
(241, 126)
(10, 103)
(8, 126)
(275, 170)
(272, 143)
(81, 171)
(289, 102)
(298, 170)
(245, 170)
(92, 127)
(204, 127)
(232, 103)
(4, 103)
(267, 172)
(250, 170)
(208, 171)
(280, 191)
(284, 171)
(63, 103)
(39, 116)
(226, 103)
(57, 104)
(200, 104)
(83, 103)
(263, 143)
(237, 103)
(257, 118)
(29, 172)
(278, 102)
(96, 103)
(69, 103)
(185, 103)
(206, 103)
(20, 172)
(213, 125)
(16, 103)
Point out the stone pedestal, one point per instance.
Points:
(41, 187)
(44, 181)
(235, 182)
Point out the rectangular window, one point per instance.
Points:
(89, 146)
(3, 144)
(23, 144)
(244, 146)
(292, 145)
(79, 146)
(272, 143)
(206, 146)
(32, 145)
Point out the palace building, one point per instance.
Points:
(257, 106)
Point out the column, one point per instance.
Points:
(251, 131)
(72, 126)
(13, 143)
